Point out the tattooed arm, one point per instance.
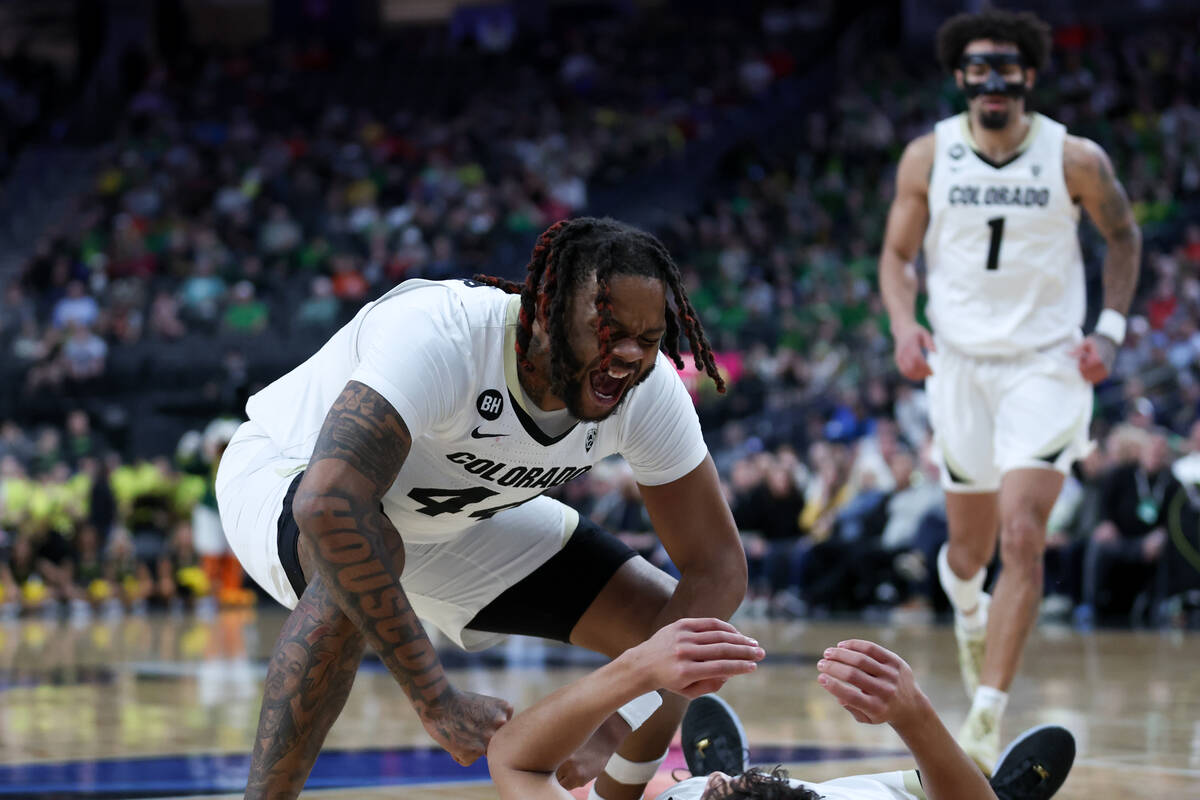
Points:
(355, 548)
(308, 680)
(1090, 181)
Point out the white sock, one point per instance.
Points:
(962, 593)
(988, 698)
(593, 794)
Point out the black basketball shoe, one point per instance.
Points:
(1035, 765)
(713, 738)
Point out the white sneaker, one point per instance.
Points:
(980, 738)
(972, 646)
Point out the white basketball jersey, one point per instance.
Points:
(1004, 268)
(442, 353)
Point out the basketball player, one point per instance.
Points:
(397, 474)
(993, 196)
(693, 656)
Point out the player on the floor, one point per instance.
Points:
(695, 655)
(993, 196)
(397, 474)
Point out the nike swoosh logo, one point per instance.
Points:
(475, 434)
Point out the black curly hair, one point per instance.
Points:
(1024, 29)
(758, 785)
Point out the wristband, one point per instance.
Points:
(640, 709)
(633, 773)
(1111, 324)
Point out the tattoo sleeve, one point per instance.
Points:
(1110, 211)
(308, 681)
(354, 546)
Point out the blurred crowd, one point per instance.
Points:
(269, 195)
(83, 530)
(276, 191)
(850, 526)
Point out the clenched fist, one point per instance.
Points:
(1095, 356)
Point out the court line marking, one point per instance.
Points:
(368, 768)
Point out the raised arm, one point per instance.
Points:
(1090, 180)
(689, 657)
(875, 685)
(359, 555)
(907, 219)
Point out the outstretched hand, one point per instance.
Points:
(871, 682)
(692, 657)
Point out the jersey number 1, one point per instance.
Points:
(997, 226)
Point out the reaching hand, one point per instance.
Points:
(1095, 356)
(692, 657)
(874, 684)
(912, 343)
(464, 722)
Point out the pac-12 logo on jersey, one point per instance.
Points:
(490, 404)
(590, 439)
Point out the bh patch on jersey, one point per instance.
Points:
(490, 404)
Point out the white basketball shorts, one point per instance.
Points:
(994, 415)
(447, 583)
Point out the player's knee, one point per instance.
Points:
(968, 555)
(1023, 542)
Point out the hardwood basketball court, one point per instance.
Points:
(166, 707)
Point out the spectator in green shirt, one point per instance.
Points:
(245, 314)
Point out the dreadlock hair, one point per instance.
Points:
(1028, 32)
(564, 257)
(758, 785)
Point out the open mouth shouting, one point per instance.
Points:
(607, 386)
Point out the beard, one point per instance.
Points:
(573, 389)
(993, 120)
